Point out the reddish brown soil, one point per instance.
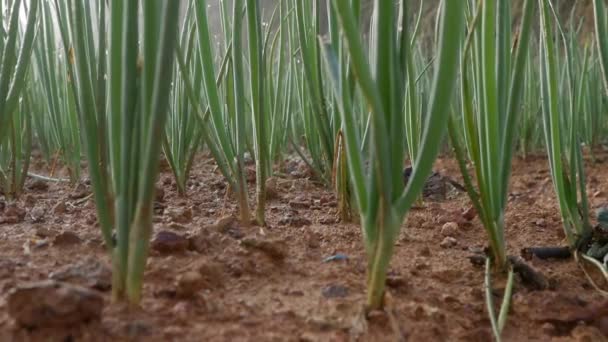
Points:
(435, 293)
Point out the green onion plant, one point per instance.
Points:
(16, 47)
(56, 125)
(379, 192)
(123, 102)
(183, 132)
(492, 76)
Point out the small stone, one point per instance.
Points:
(334, 291)
(541, 223)
(53, 304)
(37, 214)
(66, 238)
(188, 284)
(448, 242)
(449, 229)
(167, 242)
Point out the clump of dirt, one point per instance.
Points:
(209, 278)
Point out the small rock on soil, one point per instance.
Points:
(449, 229)
(334, 291)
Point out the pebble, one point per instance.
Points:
(334, 291)
(37, 214)
(449, 229)
(448, 242)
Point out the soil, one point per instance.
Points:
(235, 283)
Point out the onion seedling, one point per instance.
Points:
(257, 79)
(225, 133)
(183, 132)
(15, 121)
(379, 192)
(57, 125)
(492, 76)
(123, 130)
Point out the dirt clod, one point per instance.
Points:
(168, 242)
(275, 249)
(272, 191)
(188, 284)
(225, 224)
(89, 272)
(469, 214)
(300, 203)
(38, 185)
(180, 215)
(66, 238)
(212, 274)
(50, 304)
(12, 214)
(59, 208)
